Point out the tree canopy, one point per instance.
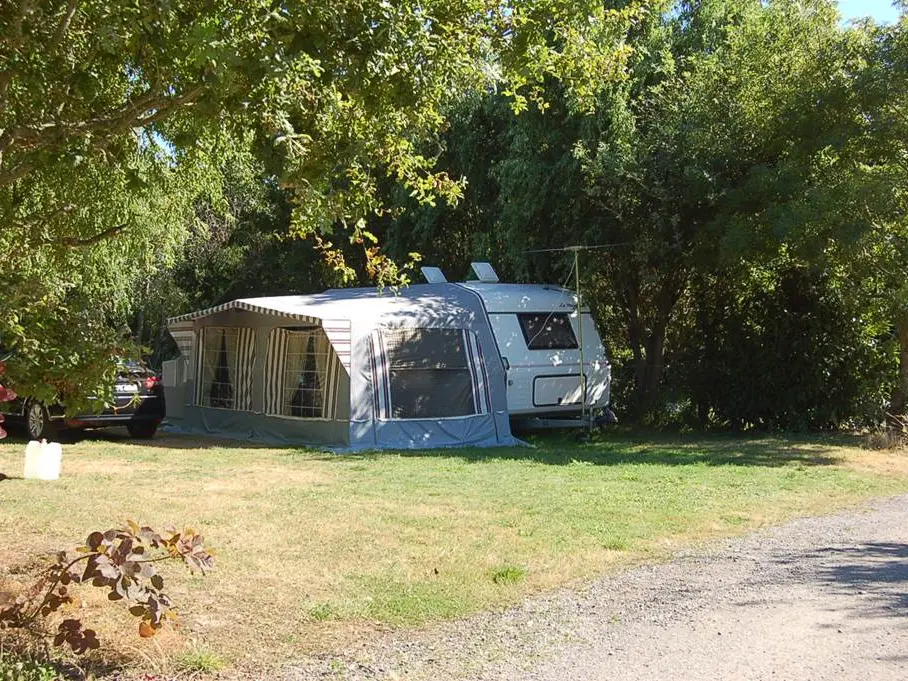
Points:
(750, 158)
(114, 115)
(747, 160)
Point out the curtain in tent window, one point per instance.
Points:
(307, 398)
(301, 374)
(226, 368)
(186, 343)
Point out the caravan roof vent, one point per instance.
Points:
(433, 275)
(484, 272)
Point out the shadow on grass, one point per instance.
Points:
(163, 439)
(614, 447)
(646, 449)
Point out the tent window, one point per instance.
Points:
(225, 375)
(298, 369)
(547, 331)
(428, 373)
(218, 364)
(304, 376)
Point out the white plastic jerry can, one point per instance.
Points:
(43, 460)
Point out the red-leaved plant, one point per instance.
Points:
(6, 395)
(122, 561)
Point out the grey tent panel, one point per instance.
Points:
(347, 368)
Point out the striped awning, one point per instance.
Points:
(248, 307)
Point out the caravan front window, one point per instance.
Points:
(428, 373)
(547, 331)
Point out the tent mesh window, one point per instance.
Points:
(225, 368)
(428, 373)
(218, 364)
(547, 331)
(298, 374)
(304, 376)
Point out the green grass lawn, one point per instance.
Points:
(316, 548)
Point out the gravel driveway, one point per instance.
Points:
(818, 598)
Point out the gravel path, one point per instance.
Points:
(816, 599)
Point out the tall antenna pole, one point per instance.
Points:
(576, 250)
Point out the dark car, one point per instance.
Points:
(138, 405)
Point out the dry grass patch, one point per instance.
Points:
(892, 462)
(315, 549)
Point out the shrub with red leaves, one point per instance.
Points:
(123, 561)
(6, 395)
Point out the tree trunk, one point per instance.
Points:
(648, 344)
(647, 314)
(140, 315)
(655, 356)
(898, 405)
(637, 339)
(140, 324)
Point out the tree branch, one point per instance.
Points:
(148, 107)
(31, 616)
(15, 173)
(72, 242)
(15, 36)
(64, 24)
(6, 78)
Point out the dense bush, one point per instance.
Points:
(779, 349)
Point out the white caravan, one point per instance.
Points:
(538, 332)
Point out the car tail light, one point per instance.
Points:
(151, 382)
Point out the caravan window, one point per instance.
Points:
(225, 368)
(547, 331)
(428, 373)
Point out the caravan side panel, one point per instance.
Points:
(547, 381)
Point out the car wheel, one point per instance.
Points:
(142, 431)
(37, 422)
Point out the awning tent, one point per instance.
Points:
(347, 368)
